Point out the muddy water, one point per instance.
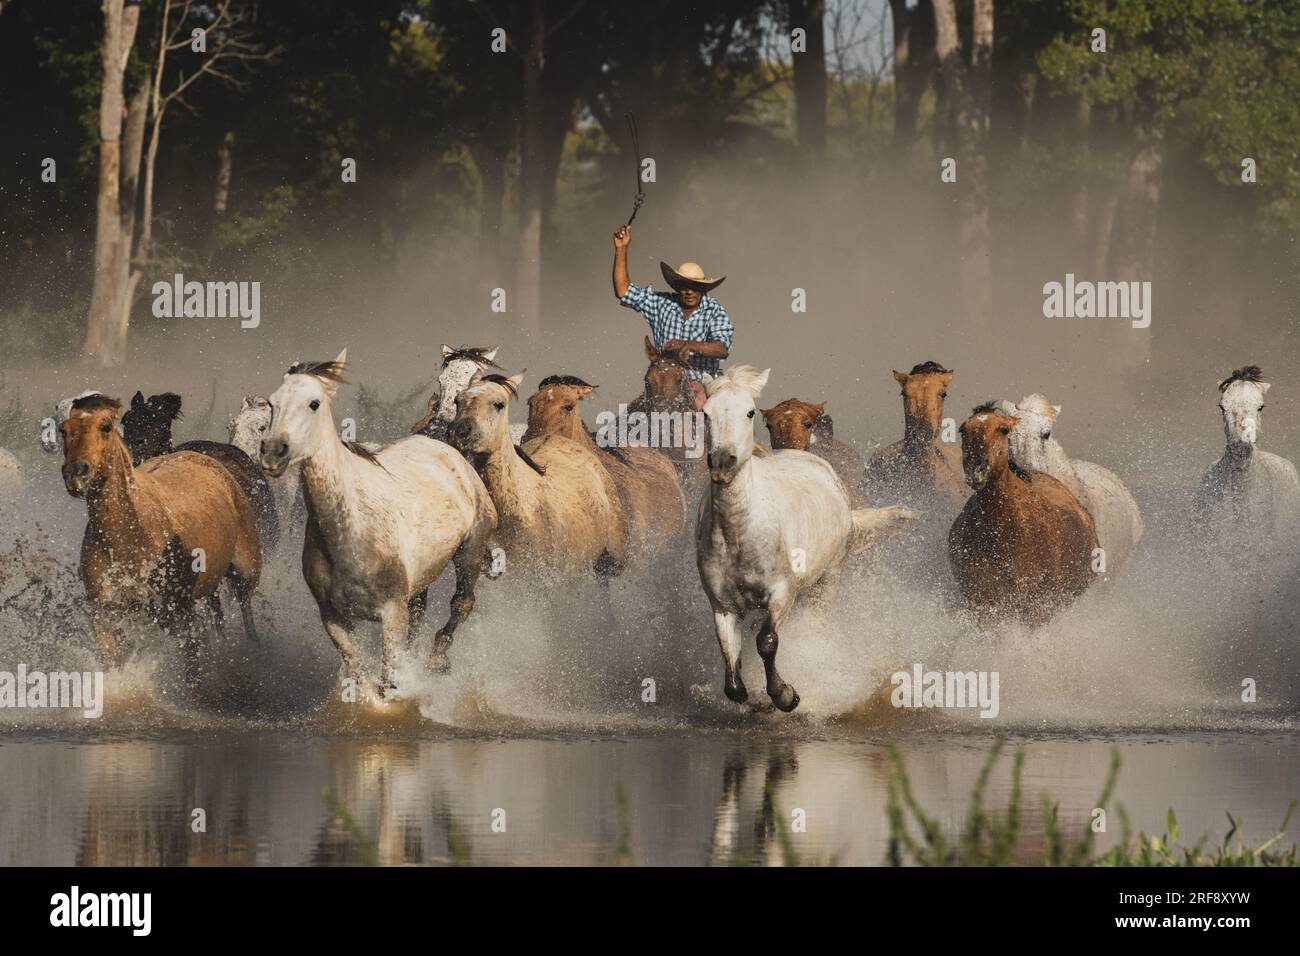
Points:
(287, 799)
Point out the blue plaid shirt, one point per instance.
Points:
(709, 322)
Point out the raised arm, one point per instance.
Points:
(621, 279)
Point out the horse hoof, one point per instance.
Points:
(384, 688)
(439, 662)
(736, 692)
(787, 700)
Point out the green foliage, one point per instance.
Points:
(995, 840)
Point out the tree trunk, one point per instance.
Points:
(490, 159)
(225, 160)
(1079, 197)
(128, 278)
(810, 78)
(104, 341)
(529, 267)
(913, 61)
(967, 95)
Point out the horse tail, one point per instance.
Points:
(869, 524)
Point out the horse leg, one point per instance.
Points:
(394, 620)
(243, 589)
(184, 623)
(415, 609)
(782, 694)
(336, 626)
(107, 636)
(218, 615)
(727, 625)
(462, 602)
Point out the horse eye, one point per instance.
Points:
(1261, 408)
(106, 427)
(569, 407)
(751, 413)
(1046, 435)
(499, 406)
(943, 394)
(315, 404)
(807, 424)
(261, 428)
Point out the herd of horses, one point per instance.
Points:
(1022, 528)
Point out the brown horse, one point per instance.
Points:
(667, 393)
(799, 425)
(920, 469)
(159, 537)
(654, 507)
(1022, 547)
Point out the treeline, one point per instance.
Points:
(212, 135)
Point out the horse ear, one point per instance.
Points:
(489, 354)
(1056, 410)
(650, 350)
(247, 403)
(820, 408)
(900, 377)
(447, 350)
(137, 400)
(584, 390)
(341, 358)
(761, 382)
(1264, 387)
(514, 380)
(767, 414)
(946, 377)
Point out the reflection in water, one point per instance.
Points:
(280, 799)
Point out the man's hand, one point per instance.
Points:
(622, 237)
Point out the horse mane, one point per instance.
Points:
(469, 353)
(562, 380)
(1250, 373)
(330, 371)
(519, 450)
(1038, 403)
(928, 368)
(361, 451)
(503, 382)
(988, 407)
(94, 402)
(741, 376)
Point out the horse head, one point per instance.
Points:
(302, 421)
(923, 389)
(92, 448)
(1032, 444)
(460, 367)
(730, 411)
(482, 421)
(553, 408)
(247, 429)
(794, 424)
(1241, 402)
(666, 387)
(985, 446)
(147, 425)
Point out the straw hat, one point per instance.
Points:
(689, 273)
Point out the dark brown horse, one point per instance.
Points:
(1022, 547)
(159, 537)
(806, 427)
(147, 429)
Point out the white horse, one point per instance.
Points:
(380, 527)
(461, 367)
(246, 431)
(770, 528)
(1114, 511)
(1248, 496)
